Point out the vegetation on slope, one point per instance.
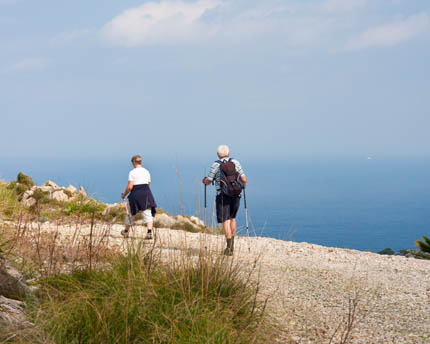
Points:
(140, 300)
(91, 292)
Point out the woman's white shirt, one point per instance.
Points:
(139, 175)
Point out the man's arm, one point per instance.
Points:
(211, 176)
(206, 181)
(239, 170)
(244, 180)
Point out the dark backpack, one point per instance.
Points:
(231, 184)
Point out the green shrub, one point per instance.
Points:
(21, 188)
(387, 251)
(140, 301)
(115, 214)
(41, 197)
(424, 245)
(21, 185)
(84, 206)
(403, 252)
(25, 180)
(185, 226)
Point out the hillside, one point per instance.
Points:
(316, 294)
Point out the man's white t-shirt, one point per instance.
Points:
(139, 176)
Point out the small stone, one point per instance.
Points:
(165, 220)
(51, 184)
(60, 196)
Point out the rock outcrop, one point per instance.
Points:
(51, 191)
(188, 223)
(13, 289)
(12, 283)
(11, 312)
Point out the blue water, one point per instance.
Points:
(354, 203)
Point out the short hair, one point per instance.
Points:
(136, 159)
(223, 151)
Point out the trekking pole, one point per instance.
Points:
(205, 204)
(246, 213)
(129, 217)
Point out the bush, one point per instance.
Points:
(424, 245)
(25, 180)
(185, 226)
(83, 206)
(22, 184)
(403, 252)
(139, 301)
(115, 214)
(387, 251)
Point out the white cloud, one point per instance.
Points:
(391, 34)
(343, 5)
(291, 23)
(165, 21)
(320, 24)
(30, 64)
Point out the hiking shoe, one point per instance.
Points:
(148, 236)
(124, 233)
(228, 252)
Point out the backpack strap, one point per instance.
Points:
(221, 170)
(219, 161)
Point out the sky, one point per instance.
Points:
(272, 78)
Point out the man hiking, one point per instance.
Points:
(140, 198)
(229, 181)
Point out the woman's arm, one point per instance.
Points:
(127, 189)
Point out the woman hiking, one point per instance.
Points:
(140, 198)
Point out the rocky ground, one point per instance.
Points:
(313, 289)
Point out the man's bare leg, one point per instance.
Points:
(233, 227)
(227, 232)
(227, 229)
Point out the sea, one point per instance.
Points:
(364, 203)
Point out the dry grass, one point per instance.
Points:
(93, 290)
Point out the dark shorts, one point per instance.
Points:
(226, 207)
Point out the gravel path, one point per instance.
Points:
(312, 287)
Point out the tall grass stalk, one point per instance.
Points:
(9, 205)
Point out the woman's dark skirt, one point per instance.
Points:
(141, 198)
